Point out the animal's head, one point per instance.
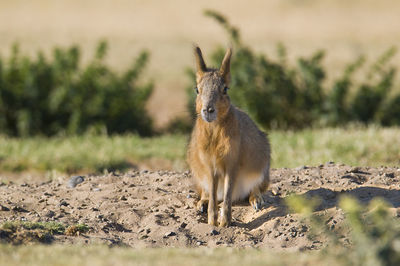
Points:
(212, 85)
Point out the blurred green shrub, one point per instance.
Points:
(373, 233)
(278, 95)
(59, 96)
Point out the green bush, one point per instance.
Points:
(279, 95)
(58, 96)
(373, 232)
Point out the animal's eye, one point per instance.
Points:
(197, 90)
(225, 90)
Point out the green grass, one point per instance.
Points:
(87, 153)
(19, 232)
(101, 255)
(49, 227)
(372, 146)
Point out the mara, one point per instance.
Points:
(228, 155)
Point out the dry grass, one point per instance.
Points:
(359, 146)
(168, 28)
(101, 255)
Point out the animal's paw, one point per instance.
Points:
(225, 222)
(256, 201)
(202, 205)
(212, 220)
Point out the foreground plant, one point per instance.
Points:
(374, 234)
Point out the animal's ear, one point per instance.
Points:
(224, 70)
(201, 67)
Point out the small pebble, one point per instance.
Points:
(75, 180)
(50, 214)
(389, 175)
(19, 209)
(301, 168)
(4, 208)
(183, 225)
(63, 203)
(168, 234)
(214, 232)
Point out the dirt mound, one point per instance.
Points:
(157, 209)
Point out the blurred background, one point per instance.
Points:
(72, 68)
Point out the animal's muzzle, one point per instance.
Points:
(209, 114)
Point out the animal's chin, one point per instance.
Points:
(208, 118)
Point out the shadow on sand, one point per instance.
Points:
(329, 199)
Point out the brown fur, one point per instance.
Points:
(226, 150)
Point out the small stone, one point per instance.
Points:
(4, 208)
(123, 198)
(355, 170)
(188, 196)
(275, 191)
(183, 225)
(389, 175)
(19, 209)
(63, 203)
(144, 172)
(50, 214)
(75, 180)
(168, 234)
(214, 232)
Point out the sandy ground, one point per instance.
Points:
(157, 209)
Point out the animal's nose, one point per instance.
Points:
(210, 110)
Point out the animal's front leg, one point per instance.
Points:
(227, 203)
(212, 201)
